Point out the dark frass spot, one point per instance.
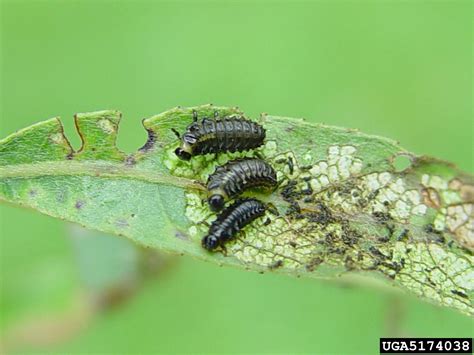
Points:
(377, 253)
(79, 204)
(371, 196)
(293, 244)
(350, 239)
(275, 265)
(308, 190)
(322, 215)
(32, 193)
(460, 294)
(429, 228)
(288, 192)
(313, 263)
(403, 235)
(382, 217)
(291, 165)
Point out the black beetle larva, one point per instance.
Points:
(227, 134)
(231, 221)
(233, 178)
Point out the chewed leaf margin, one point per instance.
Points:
(344, 207)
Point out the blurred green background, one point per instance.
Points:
(396, 68)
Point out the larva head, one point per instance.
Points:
(210, 242)
(216, 202)
(182, 154)
(185, 151)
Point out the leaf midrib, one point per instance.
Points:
(99, 169)
(104, 169)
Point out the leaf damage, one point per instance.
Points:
(343, 205)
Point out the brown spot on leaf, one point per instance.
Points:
(460, 221)
(467, 193)
(455, 184)
(130, 160)
(431, 198)
(150, 141)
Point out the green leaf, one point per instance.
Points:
(348, 207)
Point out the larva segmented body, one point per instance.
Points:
(231, 221)
(233, 178)
(228, 134)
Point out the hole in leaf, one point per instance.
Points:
(401, 163)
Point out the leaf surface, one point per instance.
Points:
(346, 209)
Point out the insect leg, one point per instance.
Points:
(195, 116)
(283, 179)
(272, 209)
(224, 250)
(176, 132)
(259, 155)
